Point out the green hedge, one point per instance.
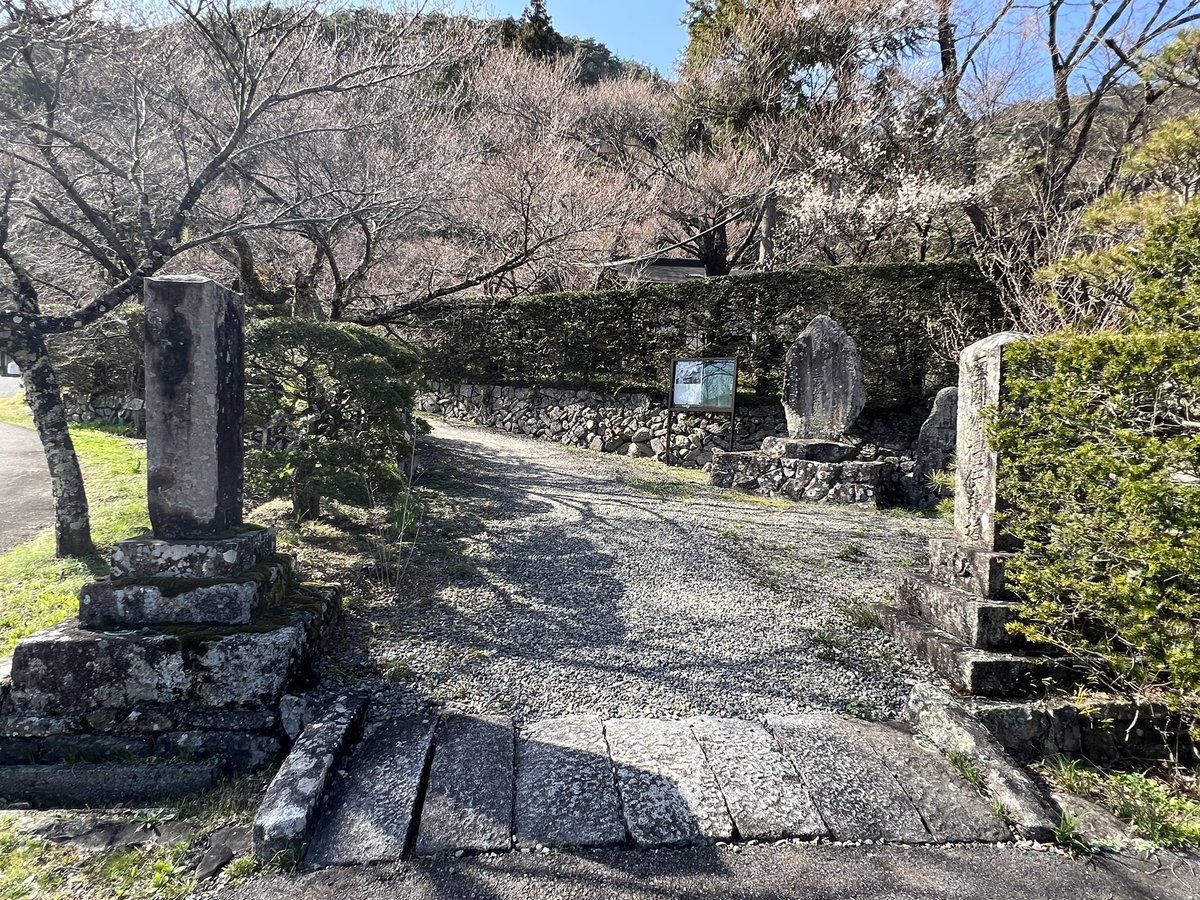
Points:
(1101, 453)
(626, 338)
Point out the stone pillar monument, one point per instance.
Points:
(955, 615)
(180, 659)
(980, 382)
(195, 387)
(823, 394)
(194, 402)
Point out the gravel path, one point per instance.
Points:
(549, 581)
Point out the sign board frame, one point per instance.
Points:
(673, 407)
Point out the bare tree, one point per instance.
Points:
(128, 143)
(1061, 87)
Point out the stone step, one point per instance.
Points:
(191, 601)
(469, 795)
(973, 671)
(372, 808)
(971, 569)
(978, 622)
(289, 809)
(426, 786)
(68, 669)
(762, 790)
(856, 793)
(565, 792)
(149, 557)
(953, 809)
(81, 785)
(669, 795)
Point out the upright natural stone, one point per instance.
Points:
(194, 405)
(935, 444)
(823, 389)
(980, 382)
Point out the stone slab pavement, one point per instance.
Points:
(27, 506)
(456, 783)
(759, 872)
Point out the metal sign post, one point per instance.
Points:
(703, 385)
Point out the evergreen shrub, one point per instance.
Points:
(1100, 442)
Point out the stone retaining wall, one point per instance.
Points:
(129, 411)
(636, 425)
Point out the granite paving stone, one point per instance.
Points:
(669, 795)
(565, 794)
(762, 789)
(952, 808)
(469, 797)
(855, 791)
(370, 811)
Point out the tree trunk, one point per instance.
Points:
(72, 526)
(714, 252)
(306, 502)
(766, 238)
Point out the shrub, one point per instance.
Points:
(1101, 478)
(626, 338)
(338, 399)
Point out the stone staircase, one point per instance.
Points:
(455, 784)
(954, 616)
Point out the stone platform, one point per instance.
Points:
(443, 785)
(202, 683)
(851, 483)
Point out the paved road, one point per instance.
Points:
(25, 503)
(811, 872)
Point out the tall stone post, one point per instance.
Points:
(980, 383)
(956, 615)
(194, 407)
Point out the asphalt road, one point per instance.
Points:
(755, 873)
(25, 502)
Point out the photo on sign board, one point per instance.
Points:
(704, 383)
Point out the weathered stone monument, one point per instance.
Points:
(823, 394)
(955, 615)
(823, 390)
(934, 451)
(186, 652)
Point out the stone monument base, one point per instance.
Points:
(955, 617)
(781, 470)
(202, 687)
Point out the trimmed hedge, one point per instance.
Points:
(1100, 437)
(626, 338)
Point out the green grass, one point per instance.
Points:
(965, 766)
(34, 868)
(1164, 812)
(37, 589)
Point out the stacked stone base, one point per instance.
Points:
(802, 470)
(182, 700)
(955, 617)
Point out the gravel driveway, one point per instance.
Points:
(548, 581)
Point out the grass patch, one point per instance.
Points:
(1162, 810)
(861, 614)
(37, 589)
(965, 766)
(31, 867)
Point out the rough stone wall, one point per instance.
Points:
(128, 411)
(636, 425)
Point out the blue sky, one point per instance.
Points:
(644, 30)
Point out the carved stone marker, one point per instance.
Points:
(934, 450)
(194, 407)
(980, 374)
(823, 389)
